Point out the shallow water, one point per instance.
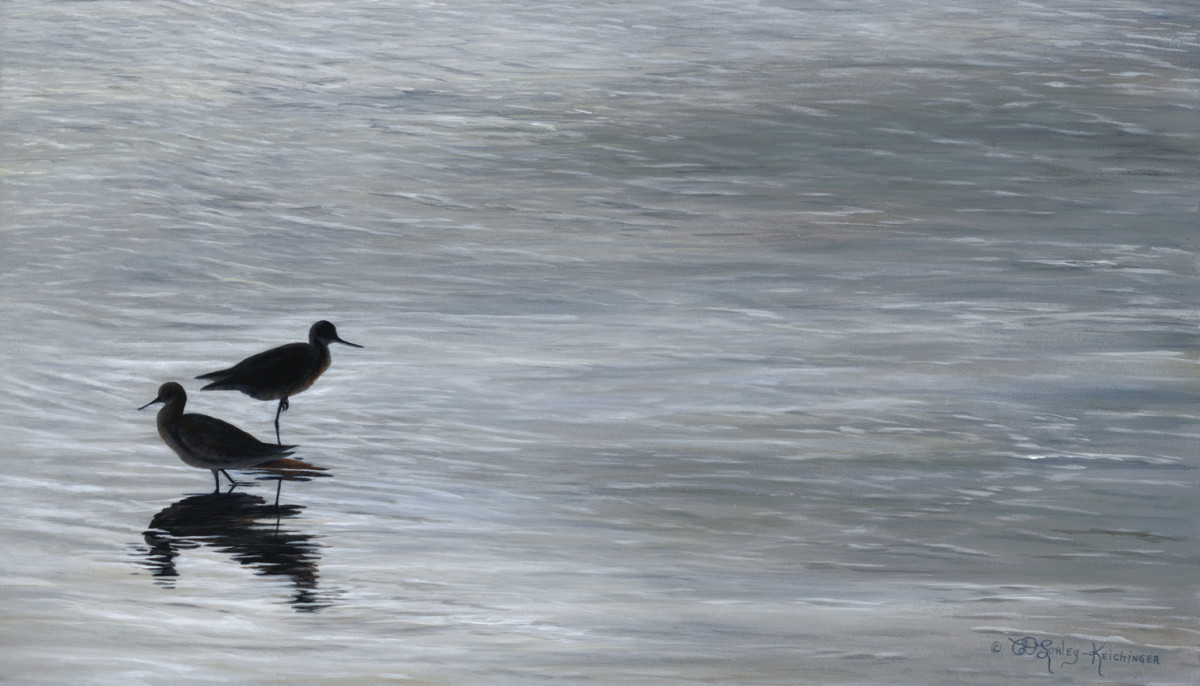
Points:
(767, 342)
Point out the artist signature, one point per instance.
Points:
(1058, 654)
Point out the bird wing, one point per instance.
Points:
(221, 442)
(280, 366)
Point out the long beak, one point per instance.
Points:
(156, 400)
(352, 345)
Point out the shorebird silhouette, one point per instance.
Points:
(207, 442)
(282, 372)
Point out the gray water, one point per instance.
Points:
(762, 342)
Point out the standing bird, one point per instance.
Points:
(279, 373)
(207, 442)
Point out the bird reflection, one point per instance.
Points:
(244, 526)
(285, 469)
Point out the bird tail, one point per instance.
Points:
(220, 381)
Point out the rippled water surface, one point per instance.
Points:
(764, 342)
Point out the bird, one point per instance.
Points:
(207, 442)
(279, 373)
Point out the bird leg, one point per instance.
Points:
(283, 405)
(231, 481)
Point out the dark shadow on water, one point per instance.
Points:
(248, 528)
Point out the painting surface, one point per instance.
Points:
(763, 342)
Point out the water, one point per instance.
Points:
(707, 342)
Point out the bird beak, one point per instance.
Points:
(156, 400)
(352, 345)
